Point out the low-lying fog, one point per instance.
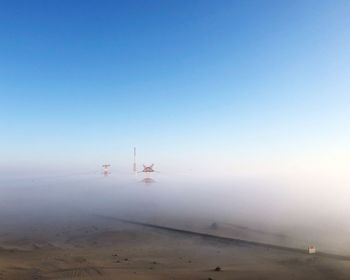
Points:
(265, 211)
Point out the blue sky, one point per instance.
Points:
(248, 86)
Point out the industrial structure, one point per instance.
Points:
(106, 171)
(148, 169)
(134, 167)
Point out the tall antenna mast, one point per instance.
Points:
(134, 169)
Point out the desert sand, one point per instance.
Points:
(94, 247)
(79, 230)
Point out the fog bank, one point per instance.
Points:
(274, 212)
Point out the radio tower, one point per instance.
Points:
(134, 167)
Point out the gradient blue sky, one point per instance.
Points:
(248, 86)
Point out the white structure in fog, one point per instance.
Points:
(134, 167)
(106, 171)
(312, 249)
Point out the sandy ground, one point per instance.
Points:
(102, 248)
(71, 231)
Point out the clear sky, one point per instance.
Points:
(238, 87)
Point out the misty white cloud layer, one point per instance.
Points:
(303, 211)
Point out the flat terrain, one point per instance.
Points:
(98, 248)
(68, 229)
